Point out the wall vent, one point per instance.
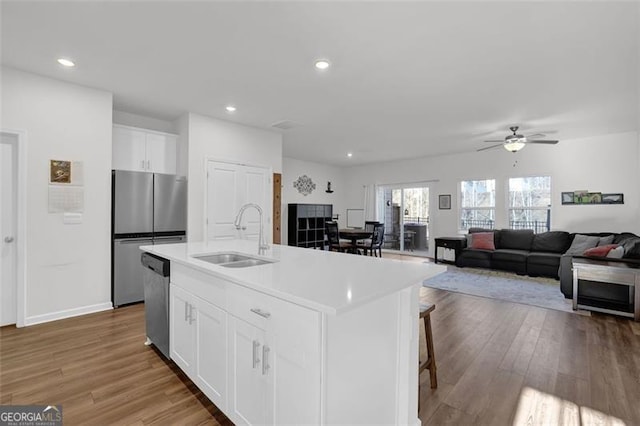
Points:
(285, 125)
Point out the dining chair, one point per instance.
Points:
(368, 227)
(374, 247)
(333, 235)
(369, 224)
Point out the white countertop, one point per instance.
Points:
(329, 282)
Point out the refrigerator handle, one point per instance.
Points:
(180, 238)
(132, 240)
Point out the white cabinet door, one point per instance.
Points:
(248, 385)
(229, 187)
(161, 153)
(211, 343)
(129, 149)
(294, 373)
(182, 330)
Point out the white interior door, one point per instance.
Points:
(229, 187)
(8, 230)
(255, 189)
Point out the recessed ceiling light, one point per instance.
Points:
(230, 108)
(322, 64)
(66, 62)
(349, 154)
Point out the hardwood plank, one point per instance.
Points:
(503, 393)
(447, 415)
(519, 355)
(430, 399)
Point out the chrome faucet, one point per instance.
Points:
(262, 245)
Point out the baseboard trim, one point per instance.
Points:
(67, 313)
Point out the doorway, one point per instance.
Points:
(8, 228)
(406, 217)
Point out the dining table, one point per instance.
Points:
(354, 235)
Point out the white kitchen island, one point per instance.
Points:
(315, 337)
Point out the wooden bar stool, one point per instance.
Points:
(430, 363)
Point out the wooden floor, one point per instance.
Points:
(99, 369)
(499, 363)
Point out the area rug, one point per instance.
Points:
(536, 291)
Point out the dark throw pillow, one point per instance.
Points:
(582, 243)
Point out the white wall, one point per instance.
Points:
(68, 266)
(182, 152)
(608, 163)
(144, 122)
(210, 138)
(320, 174)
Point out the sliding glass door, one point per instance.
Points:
(405, 211)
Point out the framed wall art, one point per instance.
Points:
(444, 202)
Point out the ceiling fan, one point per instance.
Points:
(516, 142)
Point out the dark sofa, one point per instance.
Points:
(520, 251)
(526, 253)
(616, 292)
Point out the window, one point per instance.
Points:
(477, 204)
(530, 203)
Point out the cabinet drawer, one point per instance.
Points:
(450, 244)
(249, 305)
(607, 276)
(209, 288)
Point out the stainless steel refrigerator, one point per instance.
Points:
(147, 208)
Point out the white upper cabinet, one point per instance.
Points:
(129, 149)
(142, 150)
(161, 153)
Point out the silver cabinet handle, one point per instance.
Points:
(256, 359)
(265, 360)
(142, 164)
(148, 164)
(8, 239)
(186, 311)
(260, 312)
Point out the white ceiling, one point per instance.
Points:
(407, 79)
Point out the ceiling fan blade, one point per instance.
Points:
(496, 141)
(489, 147)
(548, 142)
(535, 136)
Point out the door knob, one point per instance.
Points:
(8, 239)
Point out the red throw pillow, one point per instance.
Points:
(482, 240)
(600, 251)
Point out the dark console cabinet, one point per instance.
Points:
(306, 224)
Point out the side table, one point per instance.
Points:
(606, 273)
(454, 243)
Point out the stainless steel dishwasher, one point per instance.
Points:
(156, 301)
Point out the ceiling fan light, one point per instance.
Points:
(514, 146)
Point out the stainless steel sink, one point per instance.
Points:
(246, 263)
(232, 260)
(222, 258)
